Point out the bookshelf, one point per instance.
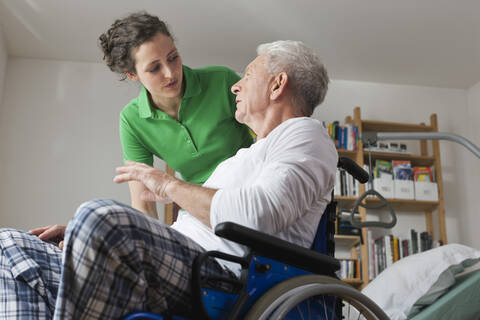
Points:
(422, 207)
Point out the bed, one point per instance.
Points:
(462, 301)
(441, 283)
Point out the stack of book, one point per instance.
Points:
(349, 269)
(345, 184)
(345, 137)
(386, 250)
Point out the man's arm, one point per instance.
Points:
(194, 199)
(159, 186)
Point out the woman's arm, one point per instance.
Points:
(147, 207)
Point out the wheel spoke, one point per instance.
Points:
(324, 307)
(306, 295)
(334, 307)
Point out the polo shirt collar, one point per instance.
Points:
(192, 83)
(192, 88)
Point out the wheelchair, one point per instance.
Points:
(279, 280)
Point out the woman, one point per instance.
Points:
(184, 116)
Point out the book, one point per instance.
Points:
(371, 257)
(396, 255)
(414, 240)
(345, 137)
(422, 174)
(405, 248)
(402, 170)
(383, 169)
(425, 241)
(337, 189)
(388, 250)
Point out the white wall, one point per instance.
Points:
(471, 219)
(3, 62)
(58, 139)
(412, 104)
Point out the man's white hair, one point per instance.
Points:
(306, 73)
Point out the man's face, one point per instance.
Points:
(252, 92)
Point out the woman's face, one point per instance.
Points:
(159, 67)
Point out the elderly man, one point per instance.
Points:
(117, 260)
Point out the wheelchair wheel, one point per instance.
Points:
(314, 297)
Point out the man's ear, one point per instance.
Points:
(279, 85)
(131, 76)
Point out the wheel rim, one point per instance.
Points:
(298, 295)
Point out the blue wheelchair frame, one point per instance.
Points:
(269, 262)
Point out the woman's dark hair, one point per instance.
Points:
(126, 34)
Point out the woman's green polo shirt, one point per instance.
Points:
(205, 134)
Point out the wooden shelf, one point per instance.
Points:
(397, 204)
(382, 126)
(347, 241)
(416, 160)
(353, 282)
(424, 158)
(347, 153)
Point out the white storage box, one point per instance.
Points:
(384, 187)
(403, 189)
(426, 191)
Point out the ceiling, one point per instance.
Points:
(427, 42)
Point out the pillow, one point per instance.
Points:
(417, 280)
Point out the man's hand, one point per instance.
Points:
(155, 181)
(54, 234)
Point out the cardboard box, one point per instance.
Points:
(384, 187)
(426, 191)
(403, 189)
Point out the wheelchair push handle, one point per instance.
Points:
(353, 169)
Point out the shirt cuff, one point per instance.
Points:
(214, 208)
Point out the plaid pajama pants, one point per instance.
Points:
(115, 260)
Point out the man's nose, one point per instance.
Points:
(235, 88)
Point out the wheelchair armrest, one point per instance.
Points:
(278, 249)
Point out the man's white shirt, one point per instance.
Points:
(280, 185)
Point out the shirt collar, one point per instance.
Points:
(192, 88)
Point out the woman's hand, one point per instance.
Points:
(154, 180)
(54, 234)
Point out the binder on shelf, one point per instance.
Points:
(403, 189)
(384, 186)
(426, 191)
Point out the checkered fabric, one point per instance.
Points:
(116, 260)
(29, 276)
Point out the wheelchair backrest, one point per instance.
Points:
(324, 241)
